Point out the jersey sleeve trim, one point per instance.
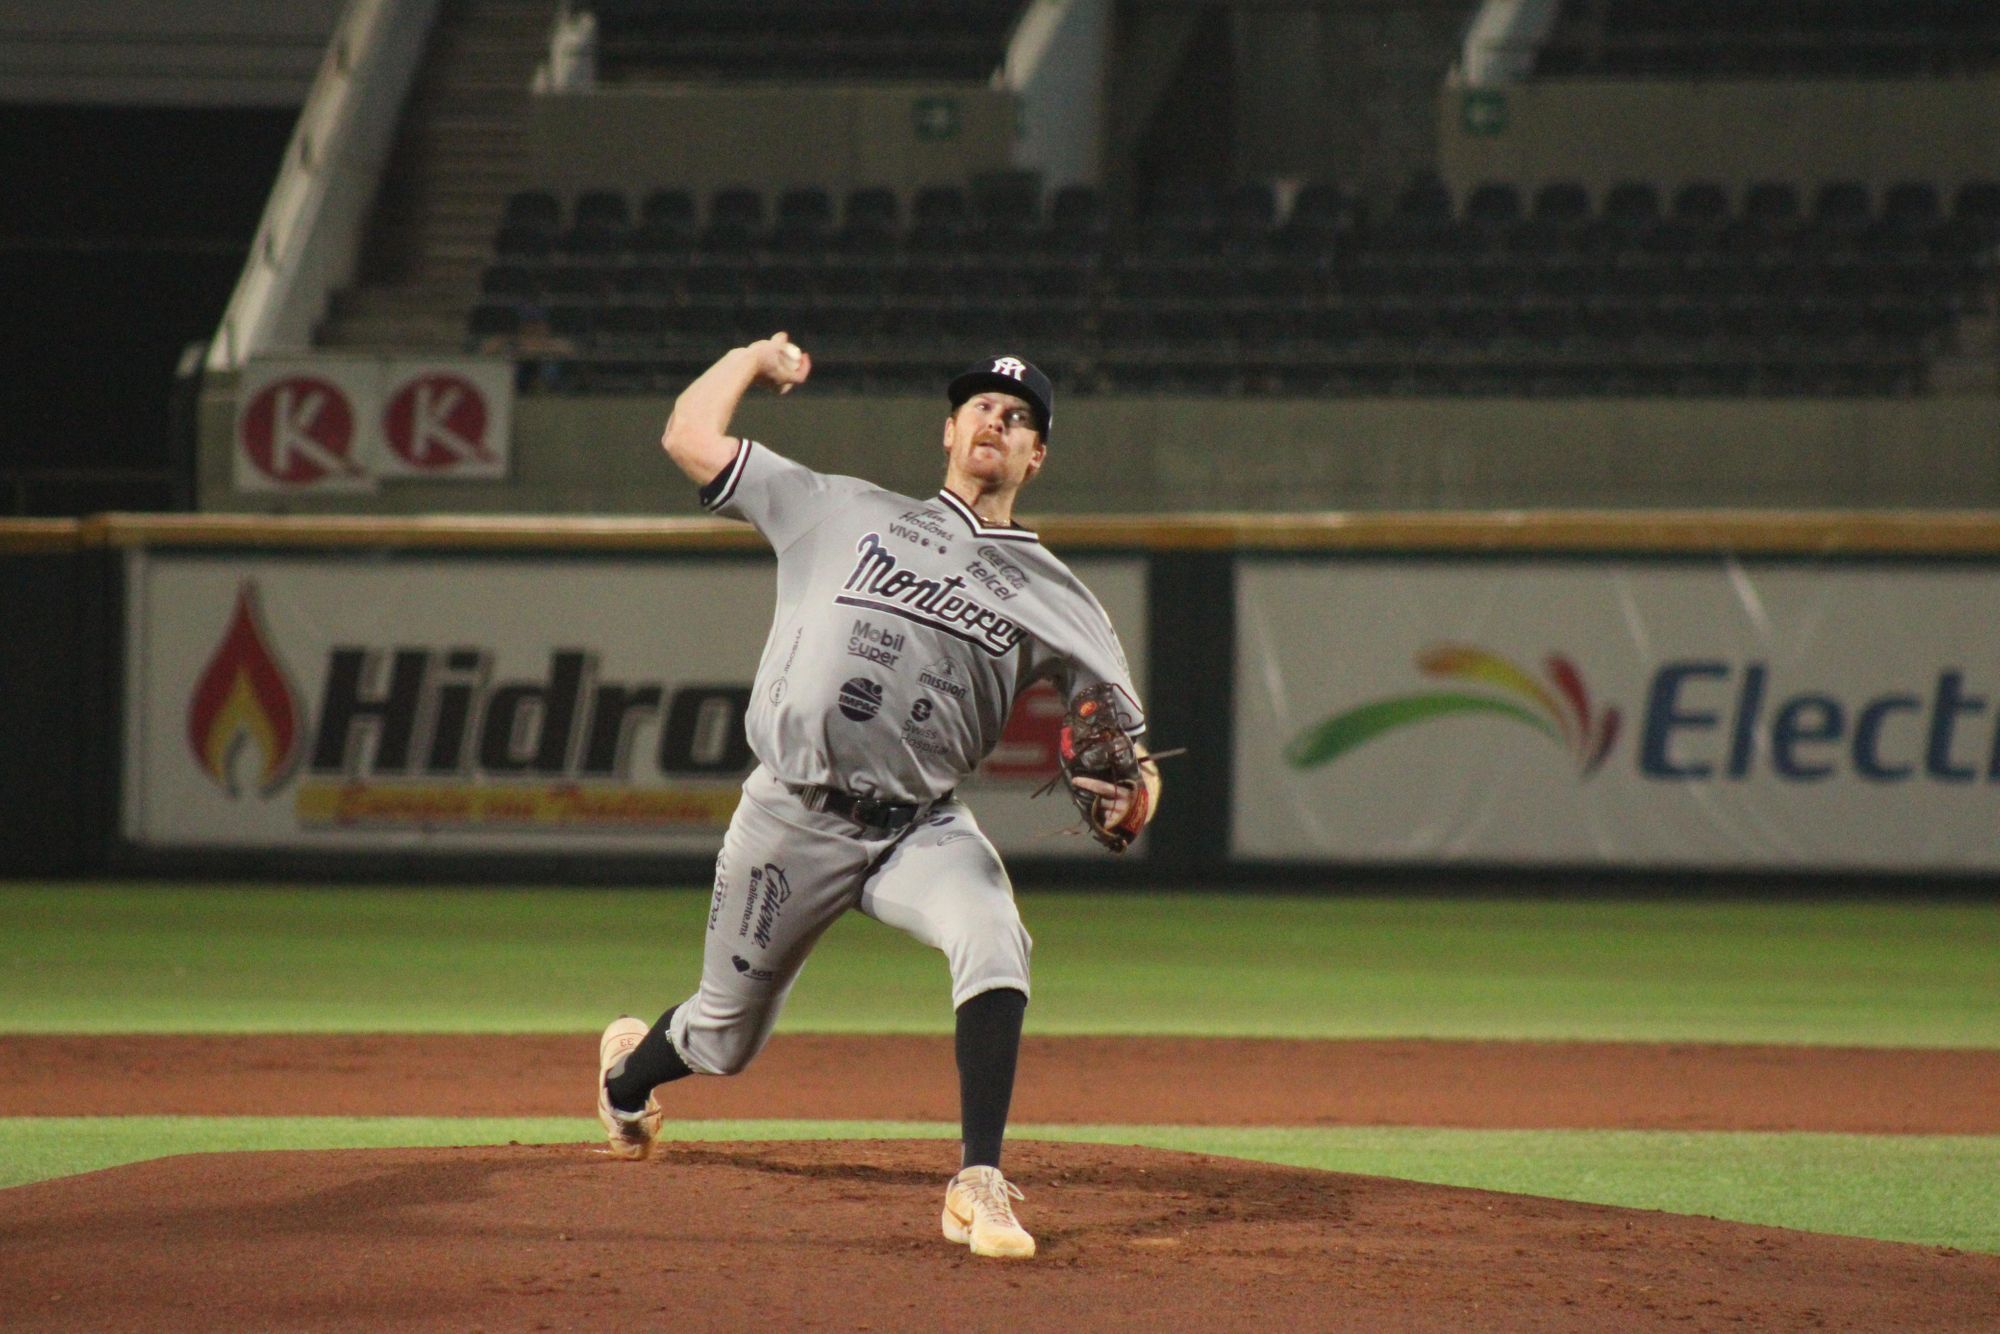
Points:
(723, 485)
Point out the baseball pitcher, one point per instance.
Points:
(905, 630)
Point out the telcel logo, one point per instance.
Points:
(1704, 719)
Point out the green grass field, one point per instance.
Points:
(171, 958)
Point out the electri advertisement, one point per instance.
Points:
(1713, 714)
(486, 704)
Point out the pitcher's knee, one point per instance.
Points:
(995, 954)
(721, 1050)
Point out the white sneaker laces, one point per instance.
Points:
(993, 1192)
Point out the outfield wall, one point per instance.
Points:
(1667, 692)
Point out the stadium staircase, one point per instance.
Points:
(460, 151)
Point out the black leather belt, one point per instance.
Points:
(867, 811)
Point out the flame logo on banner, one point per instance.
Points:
(1560, 709)
(244, 699)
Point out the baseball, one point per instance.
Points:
(792, 353)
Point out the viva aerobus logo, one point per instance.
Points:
(1558, 706)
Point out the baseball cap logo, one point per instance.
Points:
(1011, 367)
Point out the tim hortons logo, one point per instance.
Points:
(436, 712)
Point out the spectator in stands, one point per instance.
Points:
(537, 349)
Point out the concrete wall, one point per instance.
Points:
(1602, 131)
(601, 455)
(703, 138)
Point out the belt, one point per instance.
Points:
(867, 811)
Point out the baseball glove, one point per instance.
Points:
(1095, 744)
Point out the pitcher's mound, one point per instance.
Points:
(844, 1235)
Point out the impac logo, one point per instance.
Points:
(1559, 707)
(244, 698)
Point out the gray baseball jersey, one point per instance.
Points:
(904, 631)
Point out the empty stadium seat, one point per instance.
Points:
(1006, 209)
(533, 207)
(602, 206)
(871, 222)
(1249, 216)
(525, 240)
(1492, 207)
(1704, 203)
(939, 219)
(1843, 206)
(1077, 222)
(735, 220)
(1631, 210)
(1322, 216)
(1565, 202)
(666, 225)
(804, 222)
(1978, 203)
(1423, 216)
(1912, 207)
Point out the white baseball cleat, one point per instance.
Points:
(629, 1134)
(979, 1211)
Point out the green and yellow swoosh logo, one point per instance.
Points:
(1560, 708)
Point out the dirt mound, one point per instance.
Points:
(844, 1235)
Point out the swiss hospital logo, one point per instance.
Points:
(1475, 681)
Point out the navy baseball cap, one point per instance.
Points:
(1008, 375)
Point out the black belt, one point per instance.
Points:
(867, 811)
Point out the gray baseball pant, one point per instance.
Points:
(787, 872)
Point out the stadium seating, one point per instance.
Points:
(657, 40)
(1826, 290)
(1693, 39)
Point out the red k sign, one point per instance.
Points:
(444, 419)
(299, 431)
(346, 423)
(437, 422)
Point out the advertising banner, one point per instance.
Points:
(341, 423)
(1713, 714)
(484, 704)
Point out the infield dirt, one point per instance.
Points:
(844, 1234)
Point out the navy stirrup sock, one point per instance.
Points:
(652, 1063)
(988, 1042)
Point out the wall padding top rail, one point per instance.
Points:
(1764, 532)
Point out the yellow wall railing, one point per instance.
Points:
(1760, 532)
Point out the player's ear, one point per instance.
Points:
(1035, 459)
